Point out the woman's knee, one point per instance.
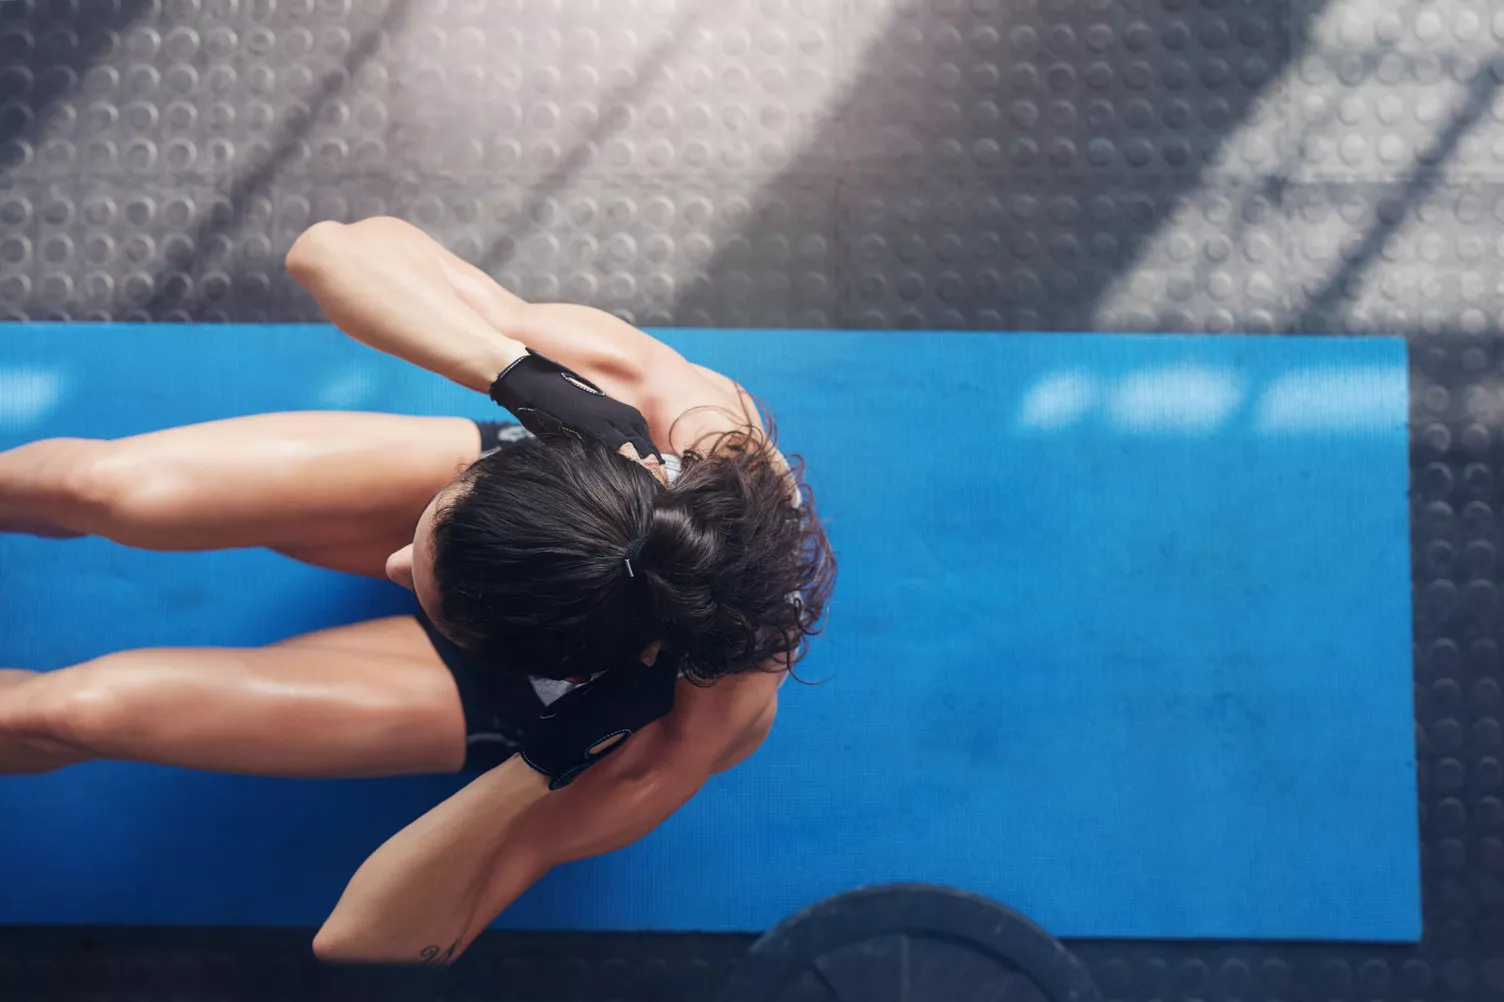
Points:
(88, 484)
(27, 746)
(76, 707)
(109, 491)
(14, 708)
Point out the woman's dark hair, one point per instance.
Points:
(529, 559)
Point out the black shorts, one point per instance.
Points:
(499, 706)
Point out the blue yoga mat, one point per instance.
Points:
(1122, 639)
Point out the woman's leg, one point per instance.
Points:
(372, 699)
(18, 755)
(336, 489)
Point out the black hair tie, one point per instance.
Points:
(634, 551)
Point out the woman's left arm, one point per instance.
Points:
(379, 283)
(427, 893)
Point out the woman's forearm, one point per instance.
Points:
(415, 900)
(601, 346)
(380, 283)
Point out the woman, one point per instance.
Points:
(571, 589)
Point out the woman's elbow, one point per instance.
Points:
(332, 948)
(313, 248)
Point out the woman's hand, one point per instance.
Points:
(653, 464)
(584, 726)
(550, 399)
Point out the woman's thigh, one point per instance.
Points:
(371, 699)
(337, 488)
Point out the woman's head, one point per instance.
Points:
(522, 560)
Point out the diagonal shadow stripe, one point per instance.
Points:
(869, 171)
(1424, 178)
(60, 72)
(649, 70)
(260, 177)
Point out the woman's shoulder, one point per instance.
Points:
(693, 406)
(721, 414)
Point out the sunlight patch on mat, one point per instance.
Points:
(1188, 399)
(1058, 401)
(28, 395)
(349, 389)
(1332, 400)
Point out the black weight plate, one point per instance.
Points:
(908, 943)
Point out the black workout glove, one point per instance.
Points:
(586, 724)
(548, 399)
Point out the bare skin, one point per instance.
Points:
(356, 484)
(339, 490)
(352, 492)
(383, 701)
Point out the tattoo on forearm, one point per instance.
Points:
(433, 956)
